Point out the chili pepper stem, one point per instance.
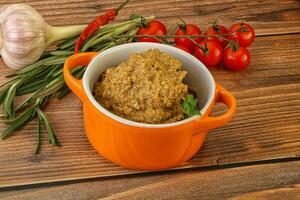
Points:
(182, 25)
(95, 25)
(121, 6)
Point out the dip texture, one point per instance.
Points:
(146, 88)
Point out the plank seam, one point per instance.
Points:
(143, 173)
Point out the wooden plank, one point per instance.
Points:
(266, 125)
(267, 17)
(233, 143)
(274, 194)
(239, 183)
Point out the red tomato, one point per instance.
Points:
(236, 59)
(217, 30)
(183, 48)
(212, 56)
(154, 27)
(189, 29)
(245, 38)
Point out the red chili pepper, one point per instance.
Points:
(94, 26)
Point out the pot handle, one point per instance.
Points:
(80, 59)
(223, 96)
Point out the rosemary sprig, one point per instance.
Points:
(51, 134)
(18, 122)
(38, 137)
(3, 93)
(9, 101)
(43, 80)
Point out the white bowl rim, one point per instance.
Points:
(122, 120)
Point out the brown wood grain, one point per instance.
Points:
(266, 125)
(256, 181)
(267, 17)
(267, 122)
(292, 192)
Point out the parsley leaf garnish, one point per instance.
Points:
(189, 106)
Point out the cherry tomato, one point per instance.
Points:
(236, 59)
(153, 27)
(217, 30)
(183, 48)
(212, 56)
(245, 38)
(188, 29)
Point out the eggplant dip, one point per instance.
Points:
(147, 88)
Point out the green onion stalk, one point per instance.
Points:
(43, 80)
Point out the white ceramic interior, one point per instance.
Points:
(198, 77)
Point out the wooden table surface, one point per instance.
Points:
(255, 156)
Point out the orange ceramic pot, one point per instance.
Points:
(146, 146)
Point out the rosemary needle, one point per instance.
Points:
(38, 137)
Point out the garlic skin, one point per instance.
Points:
(23, 35)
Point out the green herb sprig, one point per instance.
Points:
(189, 106)
(43, 80)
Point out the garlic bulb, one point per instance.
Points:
(24, 35)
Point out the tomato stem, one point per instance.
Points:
(204, 49)
(206, 52)
(173, 36)
(243, 28)
(220, 36)
(164, 38)
(234, 45)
